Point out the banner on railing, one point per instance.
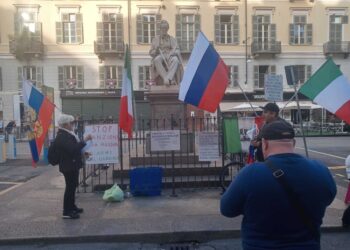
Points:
(104, 146)
(208, 146)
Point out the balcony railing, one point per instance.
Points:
(29, 49)
(268, 47)
(333, 47)
(108, 48)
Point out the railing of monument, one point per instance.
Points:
(181, 169)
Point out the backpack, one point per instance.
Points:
(53, 154)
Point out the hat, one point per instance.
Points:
(277, 130)
(271, 107)
(65, 119)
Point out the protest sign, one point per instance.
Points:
(274, 88)
(165, 140)
(208, 146)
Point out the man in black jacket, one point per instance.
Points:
(69, 147)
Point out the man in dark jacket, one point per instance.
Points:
(69, 147)
(270, 218)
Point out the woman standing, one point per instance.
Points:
(69, 148)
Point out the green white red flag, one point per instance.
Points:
(329, 88)
(126, 116)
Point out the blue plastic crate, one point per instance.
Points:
(146, 181)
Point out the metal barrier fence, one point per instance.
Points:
(181, 169)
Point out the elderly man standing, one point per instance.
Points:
(283, 199)
(166, 57)
(69, 148)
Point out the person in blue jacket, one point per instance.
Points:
(270, 220)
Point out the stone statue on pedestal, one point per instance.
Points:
(166, 68)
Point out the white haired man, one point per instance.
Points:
(69, 148)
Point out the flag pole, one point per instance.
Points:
(299, 115)
(245, 96)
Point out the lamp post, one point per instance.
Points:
(246, 41)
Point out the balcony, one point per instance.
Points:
(105, 49)
(268, 47)
(333, 47)
(26, 49)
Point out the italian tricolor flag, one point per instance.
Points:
(329, 88)
(126, 116)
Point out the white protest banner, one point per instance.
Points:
(105, 143)
(208, 146)
(165, 140)
(274, 88)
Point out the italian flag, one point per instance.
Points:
(126, 117)
(329, 88)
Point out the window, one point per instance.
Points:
(111, 77)
(300, 31)
(264, 32)
(227, 29)
(70, 77)
(187, 28)
(144, 76)
(336, 22)
(70, 30)
(27, 21)
(233, 75)
(110, 32)
(259, 74)
(302, 73)
(147, 27)
(1, 88)
(32, 73)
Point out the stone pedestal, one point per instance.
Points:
(165, 105)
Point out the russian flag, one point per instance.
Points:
(205, 78)
(44, 110)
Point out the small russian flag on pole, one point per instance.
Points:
(205, 78)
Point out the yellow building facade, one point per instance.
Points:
(77, 47)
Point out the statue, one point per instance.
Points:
(166, 65)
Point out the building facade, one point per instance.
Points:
(77, 47)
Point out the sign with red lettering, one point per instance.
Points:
(104, 147)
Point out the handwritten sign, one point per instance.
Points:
(273, 88)
(105, 143)
(165, 140)
(208, 146)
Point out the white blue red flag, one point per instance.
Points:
(205, 78)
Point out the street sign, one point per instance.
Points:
(274, 88)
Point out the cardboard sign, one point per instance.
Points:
(165, 140)
(208, 146)
(274, 88)
(104, 147)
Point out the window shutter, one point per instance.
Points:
(273, 32)
(141, 77)
(39, 77)
(332, 28)
(18, 23)
(59, 32)
(79, 27)
(309, 33)
(80, 76)
(217, 28)
(139, 28)
(120, 33)
(255, 28)
(61, 78)
(197, 24)
(178, 29)
(308, 71)
(235, 76)
(272, 69)
(158, 19)
(291, 33)
(345, 19)
(99, 32)
(256, 76)
(235, 29)
(1, 80)
(120, 76)
(102, 70)
(38, 32)
(20, 77)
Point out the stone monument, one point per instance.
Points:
(166, 75)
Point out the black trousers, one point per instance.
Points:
(346, 216)
(72, 179)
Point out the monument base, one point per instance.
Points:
(167, 112)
